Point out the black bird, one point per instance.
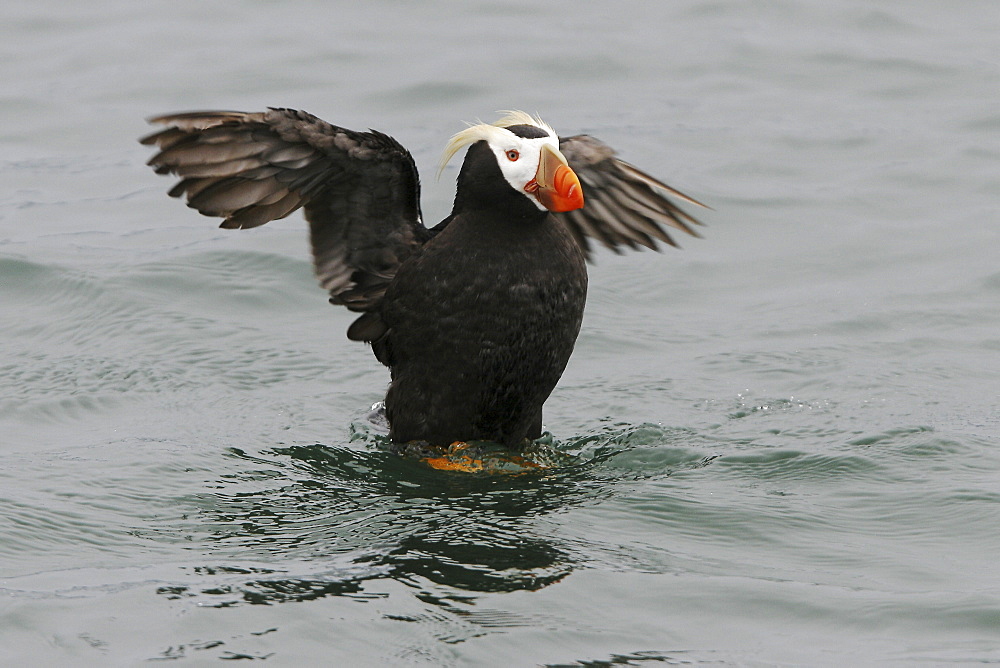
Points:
(476, 317)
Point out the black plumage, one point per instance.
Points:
(477, 317)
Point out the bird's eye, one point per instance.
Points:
(513, 155)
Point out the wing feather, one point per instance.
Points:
(623, 206)
(360, 190)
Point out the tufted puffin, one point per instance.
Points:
(475, 317)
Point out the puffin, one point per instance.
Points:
(475, 317)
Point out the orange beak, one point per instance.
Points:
(555, 185)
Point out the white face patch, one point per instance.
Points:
(518, 172)
(518, 159)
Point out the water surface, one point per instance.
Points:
(777, 446)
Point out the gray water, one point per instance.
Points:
(781, 442)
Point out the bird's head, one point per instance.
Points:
(526, 152)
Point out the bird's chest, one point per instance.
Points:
(498, 295)
(491, 290)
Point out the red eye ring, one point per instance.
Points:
(513, 155)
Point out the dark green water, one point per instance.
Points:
(778, 446)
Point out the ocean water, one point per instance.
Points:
(777, 446)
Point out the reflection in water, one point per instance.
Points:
(390, 516)
(387, 516)
(471, 532)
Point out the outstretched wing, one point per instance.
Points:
(623, 206)
(360, 190)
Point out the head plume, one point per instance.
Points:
(487, 131)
